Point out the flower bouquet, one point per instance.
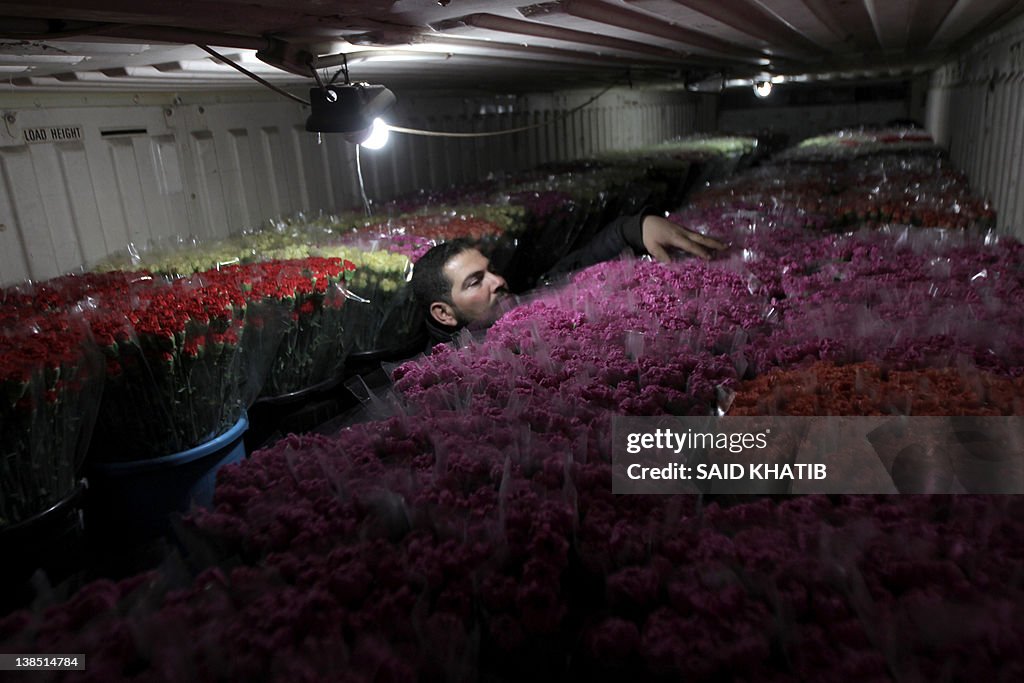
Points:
(282, 239)
(447, 225)
(182, 257)
(910, 188)
(448, 221)
(381, 313)
(413, 247)
(495, 229)
(180, 367)
(51, 378)
(314, 345)
(428, 568)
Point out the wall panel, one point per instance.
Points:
(87, 227)
(305, 178)
(975, 106)
(273, 170)
(210, 191)
(55, 199)
(1013, 206)
(14, 260)
(128, 193)
(170, 183)
(1001, 130)
(240, 177)
(28, 215)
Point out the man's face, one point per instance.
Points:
(476, 291)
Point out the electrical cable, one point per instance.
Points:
(253, 76)
(316, 75)
(362, 188)
(343, 69)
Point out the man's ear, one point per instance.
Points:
(443, 313)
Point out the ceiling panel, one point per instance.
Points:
(738, 22)
(481, 44)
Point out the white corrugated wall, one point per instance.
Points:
(976, 109)
(169, 168)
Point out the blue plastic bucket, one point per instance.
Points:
(139, 497)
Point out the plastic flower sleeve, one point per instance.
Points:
(177, 375)
(51, 378)
(177, 256)
(182, 257)
(314, 343)
(385, 315)
(553, 221)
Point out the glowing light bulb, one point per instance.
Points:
(378, 135)
(763, 88)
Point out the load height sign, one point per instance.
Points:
(52, 134)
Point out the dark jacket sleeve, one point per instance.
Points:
(625, 232)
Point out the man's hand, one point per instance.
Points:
(660, 235)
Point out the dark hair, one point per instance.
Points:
(428, 281)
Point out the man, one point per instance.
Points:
(454, 283)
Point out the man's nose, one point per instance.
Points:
(497, 281)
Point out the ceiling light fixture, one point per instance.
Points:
(350, 108)
(763, 88)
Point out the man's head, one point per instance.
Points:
(453, 282)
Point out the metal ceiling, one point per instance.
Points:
(486, 44)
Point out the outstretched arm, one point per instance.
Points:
(643, 234)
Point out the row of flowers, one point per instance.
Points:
(910, 189)
(847, 143)
(471, 534)
(358, 587)
(177, 361)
